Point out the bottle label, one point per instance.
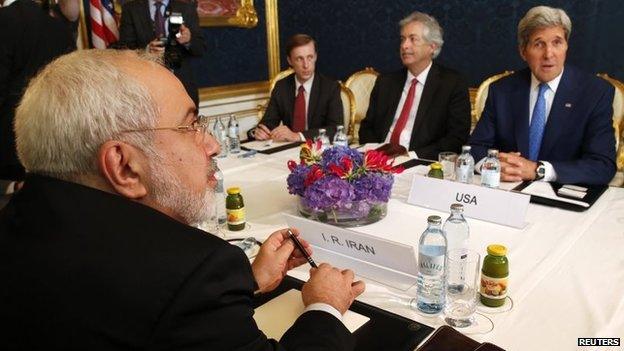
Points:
(462, 173)
(490, 178)
(431, 265)
(236, 216)
(493, 288)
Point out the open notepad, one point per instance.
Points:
(545, 190)
(279, 314)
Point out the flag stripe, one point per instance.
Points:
(104, 29)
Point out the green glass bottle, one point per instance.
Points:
(494, 276)
(435, 171)
(235, 209)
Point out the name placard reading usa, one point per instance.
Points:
(379, 259)
(492, 205)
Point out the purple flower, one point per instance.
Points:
(328, 192)
(334, 155)
(296, 180)
(373, 187)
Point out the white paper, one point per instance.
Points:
(264, 145)
(544, 189)
(276, 316)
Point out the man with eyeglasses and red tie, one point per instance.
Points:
(304, 102)
(98, 251)
(424, 107)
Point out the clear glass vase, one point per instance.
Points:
(352, 214)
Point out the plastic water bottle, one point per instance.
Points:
(490, 170)
(464, 166)
(220, 133)
(220, 198)
(233, 135)
(322, 136)
(340, 138)
(430, 281)
(457, 234)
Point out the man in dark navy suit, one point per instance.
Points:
(550, 121)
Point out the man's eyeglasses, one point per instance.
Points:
(199, 126)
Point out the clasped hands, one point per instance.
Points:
(280, 133)
(515, 168)
(327, 284)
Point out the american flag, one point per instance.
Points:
(103, 23)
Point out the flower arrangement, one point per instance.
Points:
(342, 185)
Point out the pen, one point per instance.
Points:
(250, 153)
(300, 247)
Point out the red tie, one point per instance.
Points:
(299, 115)
(407, 106)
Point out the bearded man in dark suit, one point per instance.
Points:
(97, 251)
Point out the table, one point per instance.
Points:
(566, 268)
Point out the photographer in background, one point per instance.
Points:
(173, 31)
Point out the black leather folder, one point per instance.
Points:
(384, 330)
(274, 149)
(593, 194)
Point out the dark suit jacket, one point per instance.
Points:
(136, 31)
(82, 269)
(578, 138)
(29, 39)
(324, 108)
(443, 118)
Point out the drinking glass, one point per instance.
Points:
(447, 159)
(462, 287)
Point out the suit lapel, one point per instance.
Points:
(431, 84)
(519, 109)
(314, 97)
(559, 112)
(395, 96)
(289, 97)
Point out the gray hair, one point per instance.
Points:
(433, 33)
(78, 102)
(542, 17)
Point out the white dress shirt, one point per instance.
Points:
(307, 87)
(7, 3)
(406, 134)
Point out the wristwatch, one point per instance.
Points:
(540, 171)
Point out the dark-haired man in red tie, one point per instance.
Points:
(424, 107)
(303, 102)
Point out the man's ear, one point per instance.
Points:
(521, 51)
(124, 167)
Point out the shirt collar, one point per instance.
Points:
(7, 3)
(552, 85)
(421, 77)
(307, 85)
(164, 2)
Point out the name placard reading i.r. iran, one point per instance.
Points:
(492, 205)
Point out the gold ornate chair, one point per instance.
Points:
(361, 83)
(618, 126)
(348, 106)
(481, 96)
(281, 75)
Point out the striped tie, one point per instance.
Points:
(538, 121)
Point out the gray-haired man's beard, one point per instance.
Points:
(170, 193)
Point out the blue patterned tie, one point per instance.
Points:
(538, 121)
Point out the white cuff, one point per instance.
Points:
(549, 175)
(302, 137)
(320, 306)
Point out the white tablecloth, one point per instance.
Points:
(566, 268)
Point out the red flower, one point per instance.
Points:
(292, 165)
(315, 174)
(345, 171)
(378, 161)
